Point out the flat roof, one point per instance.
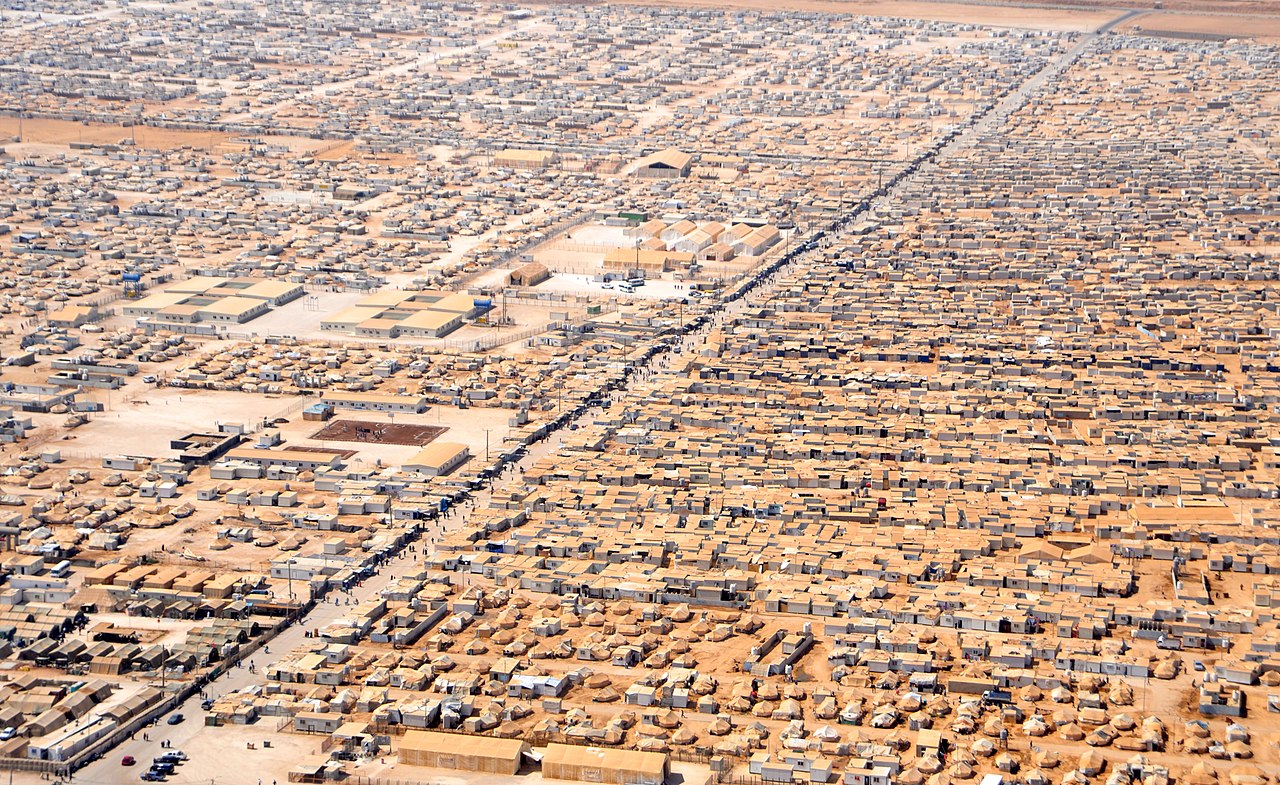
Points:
(369, 397)
(197, 285)
(430, 319)
(252, 454)
(436, 454)
(159, 300)
(233, 306)
(651, 763)
(349, 316)
(264, 288)
(463, 744)
(385, 299)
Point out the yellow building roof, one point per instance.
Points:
(462, 744)
(436, 454)
(231, 306)
(429, 319)
(650, 763)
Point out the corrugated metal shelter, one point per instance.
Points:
(597, 764)
(465, 753)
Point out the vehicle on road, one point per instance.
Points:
(174, 719)
(128, 760)
(151, 776)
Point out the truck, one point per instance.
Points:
(997, 697)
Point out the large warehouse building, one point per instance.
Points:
(597, 764)
(466, 753)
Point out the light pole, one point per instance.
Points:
(486, 445)
(289, 572)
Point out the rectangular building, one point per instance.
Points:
(598, 764)
(464, 753)
(438, 458)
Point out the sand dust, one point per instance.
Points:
(1258, 28)
(41, 131)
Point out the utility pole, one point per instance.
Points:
(486, 445)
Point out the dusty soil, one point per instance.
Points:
(1257, 27)
(378, 432)
(42, 131)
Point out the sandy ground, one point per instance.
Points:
(142, 419)
(463, 425)
(1258, 28)
(144, 423)
(67, 132)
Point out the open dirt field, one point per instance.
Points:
(144, 423)
(41, 131)
(1258, 28)
(44, 131)
(378, 432)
